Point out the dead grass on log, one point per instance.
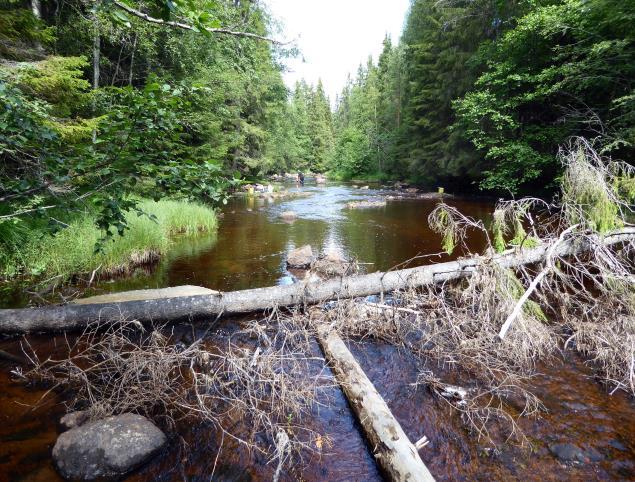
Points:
(494, 326)
(455, 326)
(269, 386)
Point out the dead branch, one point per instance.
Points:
(185, 26)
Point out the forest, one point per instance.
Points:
(102, 109)
(210, 270)
(481, 94)
(478, 95)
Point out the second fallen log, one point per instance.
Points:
(59, 318)
(394, 452)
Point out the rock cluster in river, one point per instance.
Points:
(332, 265)
(107, 448)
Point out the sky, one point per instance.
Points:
(334, 36)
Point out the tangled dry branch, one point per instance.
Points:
(492, 326)
(497, 324)
(263, 376)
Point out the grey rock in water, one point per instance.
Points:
(567, 452)
(107, 448)
(73, 419)
(301, 257)
(333, 264)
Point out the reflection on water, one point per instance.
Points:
(252, 242)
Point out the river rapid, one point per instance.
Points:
(249, 251)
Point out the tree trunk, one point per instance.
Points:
(96, 58)
(36, 7)
(134, 48)
(58, 318)
(395, 454)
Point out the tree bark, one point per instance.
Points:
(96, 59)
(36, 8)
(67, 317)
(395, 454)
(134, 48)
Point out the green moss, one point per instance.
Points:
(526, 241)
(516, 289)
(499, 229)
(449, 238)
(59, 81)
(590, 194)
(625, 188)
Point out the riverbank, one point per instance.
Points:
(71, 251)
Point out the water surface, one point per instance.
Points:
(250, 248)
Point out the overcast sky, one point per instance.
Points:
(336, 35)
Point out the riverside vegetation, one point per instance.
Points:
(71, 251)
(101, 108)
(126, 124)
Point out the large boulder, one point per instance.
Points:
(107, 448)
(301, 257)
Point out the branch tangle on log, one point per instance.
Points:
(67, 317)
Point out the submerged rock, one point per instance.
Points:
(107, 448)
(567, 452)
(301, 257)
(289, 216)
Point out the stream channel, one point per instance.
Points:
(249, 251)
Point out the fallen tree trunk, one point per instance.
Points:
(392, 449)
(67, 317)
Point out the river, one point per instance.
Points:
(249, 251)
(251, 246)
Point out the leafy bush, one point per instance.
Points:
(58, 81)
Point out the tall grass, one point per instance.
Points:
(72, 250)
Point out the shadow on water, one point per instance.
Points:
(249, 251)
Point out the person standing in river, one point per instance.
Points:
(300, 179)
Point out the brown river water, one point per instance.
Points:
(249, 251)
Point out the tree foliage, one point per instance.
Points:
(482, 93)
(113, 105)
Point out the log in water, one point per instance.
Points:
(392, 449)
(68, 317)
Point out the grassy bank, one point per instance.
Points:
(71, 251)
